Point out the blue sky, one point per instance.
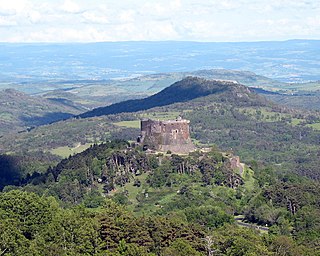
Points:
(126, 20)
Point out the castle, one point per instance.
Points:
(171, 135)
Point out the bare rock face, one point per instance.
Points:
(172, 135)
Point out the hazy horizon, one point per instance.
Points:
(154, 41)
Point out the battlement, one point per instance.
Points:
(170, 135)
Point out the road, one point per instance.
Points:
(239, 220)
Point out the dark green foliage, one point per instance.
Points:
(307, 226)
(161, 175)
(212, 166)
(38, 226)
(152, 233)
(94, 199)
(208, 216)
(293, 194)
(28, 209)
(20, 169)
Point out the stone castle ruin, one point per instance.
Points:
(171, 135)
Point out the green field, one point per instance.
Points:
(6, 116)
(161, 115)
(67, 151)
(315, 126)
(129, 124)
(296, 121)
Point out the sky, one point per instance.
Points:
(158, 20)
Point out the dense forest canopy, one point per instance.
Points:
(158, 204)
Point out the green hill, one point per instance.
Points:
(185, 90)
(19, 111)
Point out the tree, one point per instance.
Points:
(180, 248)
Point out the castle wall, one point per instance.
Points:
(170, 135)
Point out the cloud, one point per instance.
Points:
(5, 12)
(92, 17)
(199, 20)
(34, 16)
(127, 16)
(5, 21)
(12, 6)
(282, 6)
(313, 22)
(70, 7)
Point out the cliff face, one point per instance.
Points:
(170, 135)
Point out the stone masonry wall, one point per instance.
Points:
(170, 135)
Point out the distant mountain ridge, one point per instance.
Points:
(187, 89)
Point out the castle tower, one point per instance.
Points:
(170, 135)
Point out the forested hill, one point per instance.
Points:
(18, 110)
(181, 91)
(114, 200)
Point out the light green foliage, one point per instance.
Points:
(29, 210)
(180, 248)
(33, 225)
(94, 199)
(231, 240)
(129, 124)
(12, 241)
(208, 216)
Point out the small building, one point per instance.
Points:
(171, 135)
